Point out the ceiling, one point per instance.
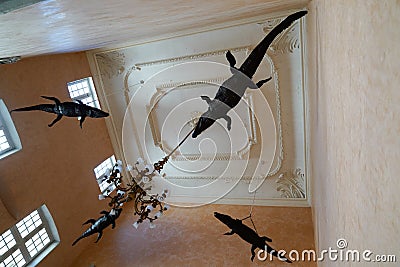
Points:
(152, 92)
(56, 26)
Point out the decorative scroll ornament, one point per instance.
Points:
(111, 64)
(287, 41)
(291, 185)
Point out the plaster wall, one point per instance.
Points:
(355, 113)
(55, 165)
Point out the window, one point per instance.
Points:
(30, 240)
(100, 172)
(84, 91)
(9, 139)
(5, 142)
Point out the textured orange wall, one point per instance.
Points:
(55, 165)
(193, 237)
(5, 218)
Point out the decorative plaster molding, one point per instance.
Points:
(229, 179)
(291, 185)
(192, 57)
(278, 120)
(163, 89)
(138, 66)
(285, 42)
(277, 165)
(111, 64)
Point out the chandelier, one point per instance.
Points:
(146, 206)
(136, 190)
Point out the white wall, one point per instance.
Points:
(355, 123)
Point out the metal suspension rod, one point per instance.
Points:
(183, 140)
(160, 164)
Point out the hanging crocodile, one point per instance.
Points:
(232, 90)
(100, 224)
(69, 109)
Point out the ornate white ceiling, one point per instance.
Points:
(153, 90)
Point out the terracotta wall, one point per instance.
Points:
(193, 237)
(55, 165)
(355, 127)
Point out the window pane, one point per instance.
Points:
(4, 144)
(37, 242)
(100, 171)
(29, 223)
(15, 259)
(84, 91)
(102, 168)
(7, 241)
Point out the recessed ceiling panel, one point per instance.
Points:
(153, 92)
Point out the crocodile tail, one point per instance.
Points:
(87, 233)
(250, 65)
(76, 241)
(41, 107)
(283, 25)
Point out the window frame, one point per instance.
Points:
(20, 242)
(100, 176)
(94, 100)
(10, 132)
(7, 136)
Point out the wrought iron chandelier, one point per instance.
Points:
(146, 206)
(136, 190)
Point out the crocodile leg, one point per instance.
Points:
(92, 221)
(206, 98)
(231, 59)
(230, 233)
(81, 121)
(59, 116)
(228, 121)
(56, 100)
(260, 83)
(99, 236)
(253, 253)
